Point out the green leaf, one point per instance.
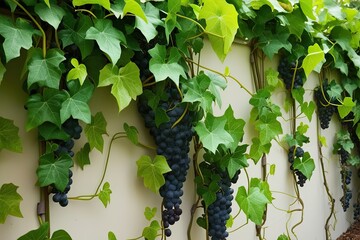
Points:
(104, 194)
(132, 6)
(272, 77)
(235, 127)
(131, 133)
(165, 66)
(17, 35)
(217, 83)
(314, 57)
(149, 213)
(160, 116)
(45, 108)
(45, 71)
(9, 202)
(344, 140)
(126, 83)
(297, 21)
(271, 44)
(221, 25)
(49, 131)
(52, 15)
(78, 72)
(307, 8)
(37, 234)
(305, 165)
(272, 169)
(257, 149)
(322, 140)
(107, 37)
(111, 236)
(148, 28)
(76, 103)
(82, 157)
(345, 108)
(60, 235)
(54, 171)
(308, 109)
(212, 132)
(252, 203)
(95, 131)
(151, 232)
(104, 3)
(230, 222)
(354, 161)
(9, 136)
(282, 237)
(358, 131)
(152, 171)
(268, 128)
(235, 161)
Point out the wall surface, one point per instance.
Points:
(89, 220)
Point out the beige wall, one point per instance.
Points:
(89, 220)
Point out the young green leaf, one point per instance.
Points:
(111, 236)
(60, 235)
(149, 213)
(126, 83)
(9, 136)
(257, 149)
(104, 194)
(132, 6)
(235, 127)
(95, 131)
(283, 236)
(235, 161)
(345, 108)
(272, 169)
(148, 28)
(38, 234)
(322, 140)
(298, 94)
(82, 157)
(308, 109)
(305, 165)
(268, 127)
(272, 77)
(307, 8)
(314, 57)
(151, 232)
(152, 171)
(78, 72)
(104, 3)
(9, 202)
(131, 133)
(52, 15)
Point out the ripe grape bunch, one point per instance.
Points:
(292, 153)
(172, 139)
(356, 211)
(73, 129)
(290, 74)
(345, 199)
(324, 106)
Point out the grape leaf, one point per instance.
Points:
(308, 109)
(54, 171)
(344, 140)
(9, 202)
(217, 83)
(322, 140)
(314, 57)
(37, 234)
(252, 203)
(107, 37)
(235, 161)
(307, 8)
(111, 236)
(297, 21)
(257, 149)
(132, 6)
(126, 83)
(104, 194)
(305, 165)
(150, 213)
(345, 108)
(151, 232)
(268, 128)
(104, 3)
(45, 71)
(17, 35)
(49, 131)
(95, 130)
(76, 103)
(131, 133)
(78, 72)
(235, 127)
(283, 236)
(298, 94)
(152, 171)
(82, 157)
(353, 160)
(221, 25)
(44, 108)
(212, 132)
(52, 15)
(148, 28)
(272, 77)
(277, 42)
(163, 66)
(60, 235)
(9, 136)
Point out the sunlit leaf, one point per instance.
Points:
(9, 202)
(9, 136)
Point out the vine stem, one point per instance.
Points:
(86, 10)
(37, 25)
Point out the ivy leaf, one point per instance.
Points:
(46, 72)
(308, 109)
(52, 15)
(9, 136)
(54, 171)
(344, 140)
(307, 8)
(235, 161)
(354, 161)
(148, 28)
(221, 25)
(305, 165)
(82, 157)
(111, 236)
(104, 194)
(132, 6)
(252, 203)
(17, 35)
(235, 127)
(45, 108)
(126, 83)
(163, 66)
(49, 131)
(131, 133)
(277, 42)
(9, 202)
(283, 236)
(104, 3)
(37, 234)
(212, 132)
(322, 140)
(257, 149)
(107, 37)
(152, 171)
(150, 213)
(76, 104)
(268, 128)
(334, 90)
(272, 77)
(297, 21)
(314, 57)
(298, 94)
(151, 232)
(60, 235)
(78, 72)
(345, 108)
(95, 130)
(217, 83)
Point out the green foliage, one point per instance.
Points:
(305, 165)
(42, 232)
(104, 194)
(82, 156)
(9, 136)
(95, 131)
(9, 202)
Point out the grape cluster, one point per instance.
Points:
(61, 196)
(325, 110)
(344, 155)
(292, 153)
(346, 176)
(356, 211)
(292, 76)
(141, 59)
(172, 139)
(345, 199)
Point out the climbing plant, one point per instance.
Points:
(150, 52)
